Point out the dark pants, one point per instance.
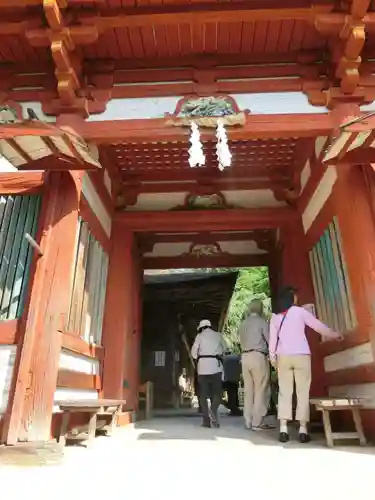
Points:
(232, 391)
(197, 390)
(210, 387)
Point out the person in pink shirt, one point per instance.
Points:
(289, 351)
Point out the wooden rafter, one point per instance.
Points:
(34, 145)
(349, 30)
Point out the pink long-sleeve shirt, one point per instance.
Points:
(292, 336)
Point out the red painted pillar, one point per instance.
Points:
(137, 324)
(119, 326)
(353, 194)
(296, 272)
(32, 395)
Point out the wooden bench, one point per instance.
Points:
(326, 405)
(99, 407)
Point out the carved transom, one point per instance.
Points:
(207, 106)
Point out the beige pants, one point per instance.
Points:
(256, 377)
(289, 369)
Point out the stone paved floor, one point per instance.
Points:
(173, 458)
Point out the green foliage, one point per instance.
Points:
(251, 283)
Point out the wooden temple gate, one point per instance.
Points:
(99, 180)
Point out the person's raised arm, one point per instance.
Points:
(273, 336)
(195, 348)
(266, 331)
(311, 321)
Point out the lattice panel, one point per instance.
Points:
(275, 154)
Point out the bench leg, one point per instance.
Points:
(92, 429)
(61, 438)
(327, 428)
(358, 426)
(112, 425)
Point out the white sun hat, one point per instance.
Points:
(205, 323)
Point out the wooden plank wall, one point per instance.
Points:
(81, 356)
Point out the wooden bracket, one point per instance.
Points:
(34, 244)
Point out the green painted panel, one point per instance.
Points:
(19, 236)
(8, 245)
(18, 215)
(36, 202)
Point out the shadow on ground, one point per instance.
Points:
(186, 428)
(31, 455)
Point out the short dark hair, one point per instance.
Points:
(286, 298)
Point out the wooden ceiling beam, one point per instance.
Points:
(191, 262)
(256, 127)
(198, 14)
(207, 220)
(218, 184)
(21, 182)
(210, 237)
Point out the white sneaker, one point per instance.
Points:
(262, 427)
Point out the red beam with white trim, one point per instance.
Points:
(207, 220)
(192, 262)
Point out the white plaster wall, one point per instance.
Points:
(169, 249)
(319, 145)
(107, 182)
(257, 198)
(158, 201)
(66, 394)
(78, 363)
(277, 103)
(319, 198)
(349, 358)
(130, 109)
(305, 174)
(6, 166)
(258, 103)
(364, 391)
(37, 107)
(93, 199)
(248, 247)
(7, 360)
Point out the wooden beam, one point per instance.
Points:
(206, 175)
(8, 332)
(256, 127)
(207, 238)
(21, 182)
(211, 186)
(72, 342)
(76, 380)
(198, 14)
(192, 262)
(206, 220)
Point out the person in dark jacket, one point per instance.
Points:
(232, 375)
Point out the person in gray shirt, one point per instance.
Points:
(254, 338)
